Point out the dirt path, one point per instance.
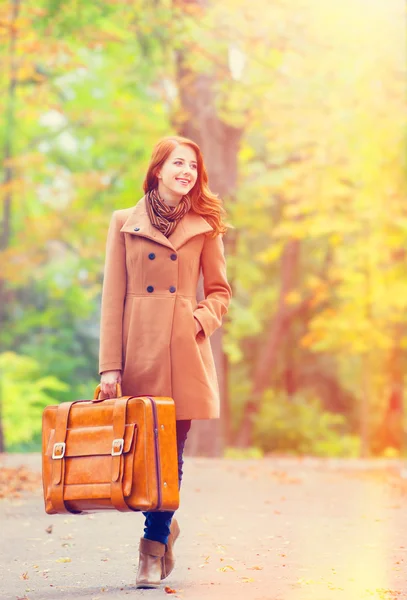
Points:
(275, 529)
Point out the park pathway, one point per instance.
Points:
(271, 529)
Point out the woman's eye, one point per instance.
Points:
(178, 162)
(194, 167)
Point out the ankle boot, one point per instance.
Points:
(151, 563)
(169, 558)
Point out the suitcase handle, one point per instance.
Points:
(99, 389)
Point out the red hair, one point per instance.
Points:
(203, 201)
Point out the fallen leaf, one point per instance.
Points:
(226, 568)
(246, 579)
(169, 590)
(255, 568)
(64, 559)
(24, 575)
(49, 529)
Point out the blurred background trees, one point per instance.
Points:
(299, 110)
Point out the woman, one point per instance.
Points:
(154, 334)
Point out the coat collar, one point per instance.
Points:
(189, 226)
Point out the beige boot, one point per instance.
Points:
(169, 558)
(151, 563)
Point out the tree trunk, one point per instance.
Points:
(219, 143)
(391, 430)
(268, 354)
(8, 178)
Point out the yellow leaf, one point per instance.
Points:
(226, 568)
(64, 559)
(292, 298)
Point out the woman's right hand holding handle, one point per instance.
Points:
(108, 381)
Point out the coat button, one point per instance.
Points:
(173, 289)
(173, 257)
(150, 289)
(151, 256)
(137, 229)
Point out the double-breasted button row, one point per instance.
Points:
(150, 288)
(172, 289)
(151, 256)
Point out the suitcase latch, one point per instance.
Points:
(117, 446)
(58, 451)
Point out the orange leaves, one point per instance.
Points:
(28, 72)
(14, 186)
(14, 481)
(22, 161)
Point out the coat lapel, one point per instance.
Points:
(190, 225)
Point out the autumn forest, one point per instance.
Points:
(299, 108)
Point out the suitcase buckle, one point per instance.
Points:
(58, 451)
(117, 446)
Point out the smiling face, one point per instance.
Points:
(178, 175)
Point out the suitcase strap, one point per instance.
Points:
(58, 454)
(58, 462)
(119, 425)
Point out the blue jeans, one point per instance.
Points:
(157, 524)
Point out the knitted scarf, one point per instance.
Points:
(162, 216)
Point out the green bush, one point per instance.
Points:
(24, 393)
(300, 426)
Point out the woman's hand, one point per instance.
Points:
(108, 381)
(198, 326)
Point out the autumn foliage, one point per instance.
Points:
(299, 111)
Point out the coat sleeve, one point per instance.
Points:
(113, 296)
(217, 290)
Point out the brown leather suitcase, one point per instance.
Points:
(118, 453)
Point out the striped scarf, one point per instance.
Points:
(164, 217)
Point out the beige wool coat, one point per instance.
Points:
(147, 326)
